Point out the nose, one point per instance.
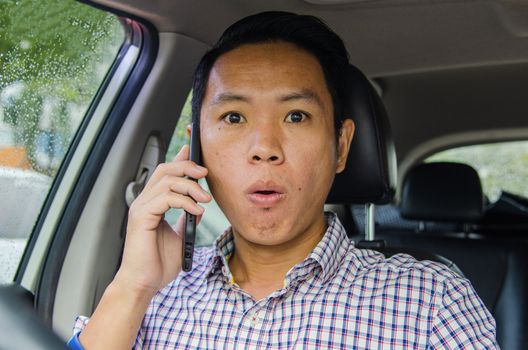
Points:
(266, 146)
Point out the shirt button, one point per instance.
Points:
(254, 320)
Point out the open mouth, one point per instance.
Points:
(266, 194)
(265, 198)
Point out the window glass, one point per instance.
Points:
(213, 221)
(54, 54)
(501, 166)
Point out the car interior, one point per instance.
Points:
(425, 76)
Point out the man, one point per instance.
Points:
(268, 99)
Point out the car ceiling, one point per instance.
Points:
(445, 66)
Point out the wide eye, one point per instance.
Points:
(234, 118)
(295, 117)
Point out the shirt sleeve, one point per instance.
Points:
(463, 321)
(78, 326)
(74, 343)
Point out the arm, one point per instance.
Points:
(116, 321)
(463, 322)
(151, 256)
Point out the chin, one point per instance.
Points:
(264, 232)
(265, 238)
(268, 226)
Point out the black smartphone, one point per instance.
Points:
(190, 219)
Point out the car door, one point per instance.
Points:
(73, 239)
(70, 73)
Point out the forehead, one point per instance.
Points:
(265, 67)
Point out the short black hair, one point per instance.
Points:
(306, 32)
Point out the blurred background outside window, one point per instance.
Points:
(54, 55)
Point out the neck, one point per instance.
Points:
(260, 269)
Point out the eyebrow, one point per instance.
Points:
(303, 94)
(229, 97)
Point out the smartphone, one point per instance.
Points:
(190, 219)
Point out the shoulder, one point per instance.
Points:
(454, 312)
(374, 278)
(400, 273)
(369, 261)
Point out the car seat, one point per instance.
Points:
(369, 177)
(496, 264)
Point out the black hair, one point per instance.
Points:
(306, 32)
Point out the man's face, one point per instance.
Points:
(267, 134)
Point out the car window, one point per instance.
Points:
(54, 56)
(213, 222)
(501, 166)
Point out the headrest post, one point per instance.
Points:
(370, 221)
(369, 242)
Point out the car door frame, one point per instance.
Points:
(39, 273)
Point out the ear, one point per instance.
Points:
(189, 130)
(343, 146)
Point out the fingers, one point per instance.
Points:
(187, 187)
(176, 193)
(147, 215)
(165, 201)
(179, 185)
(180, 167)
(183, 154)
(169, 188)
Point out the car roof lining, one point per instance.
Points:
(435, 104)
(451, 33)
(426, 55)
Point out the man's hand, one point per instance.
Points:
(152, 256)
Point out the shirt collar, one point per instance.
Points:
(332, 248)
(224, 246)
(328, 253)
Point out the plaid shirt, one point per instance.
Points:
(338, 297)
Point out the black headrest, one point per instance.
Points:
(370, 173)
(442, 192)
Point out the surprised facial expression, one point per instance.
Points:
(268, 140)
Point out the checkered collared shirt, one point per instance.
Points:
(338, 297)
